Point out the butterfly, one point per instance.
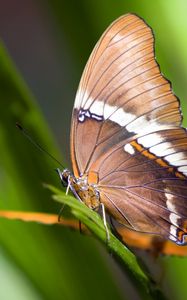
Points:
(128, 147)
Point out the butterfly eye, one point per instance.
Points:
(64, 182)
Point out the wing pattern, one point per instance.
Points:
(147, 187)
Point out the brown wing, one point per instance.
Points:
(143, 183)
(121, 94)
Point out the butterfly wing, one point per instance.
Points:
(121, 93)
(143, 184)
(126, 129)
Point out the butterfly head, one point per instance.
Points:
(64, 176)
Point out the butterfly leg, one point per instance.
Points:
(61, 178)
(68, 186)
(59, 174)
(60, 212)
(105, 223)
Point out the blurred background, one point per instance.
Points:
(49, 43)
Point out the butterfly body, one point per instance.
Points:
(85, 192)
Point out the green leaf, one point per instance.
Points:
(94, 222)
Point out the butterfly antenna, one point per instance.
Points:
(27, 135)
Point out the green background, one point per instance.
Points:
(50, 42)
